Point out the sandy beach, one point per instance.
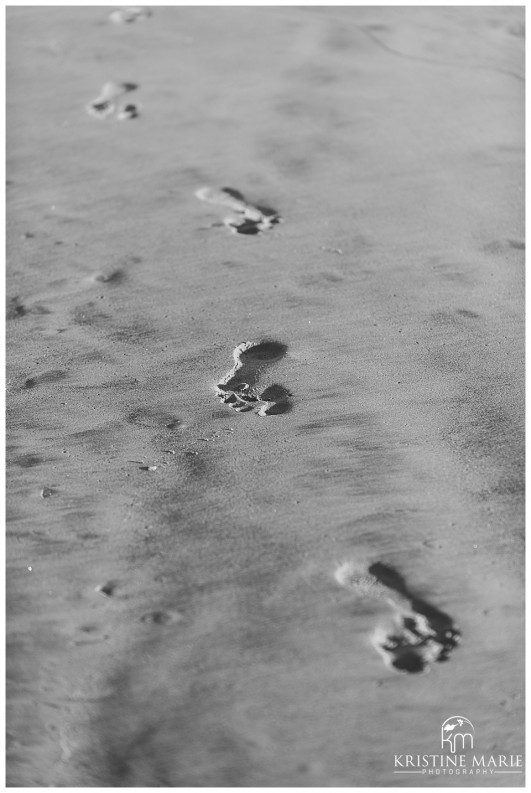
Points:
(288, 564)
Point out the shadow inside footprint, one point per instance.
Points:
(113, 277)
(389, 577)
(238, 387)
(406, 659)
(249, 360)
(265, 351)
(425, 634)
(440, 622)
(246, 226)
(239, 196)
(276, 399)
(410, 662)
(249, 218)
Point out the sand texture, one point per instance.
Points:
(285, 565)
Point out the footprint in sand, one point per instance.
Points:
(128, 111)
(129, 14)
(105, 104)
(161, 617)
(239, 386)
(420, 635)
(107, 589)
(250, 219)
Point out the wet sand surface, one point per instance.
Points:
(174, 616)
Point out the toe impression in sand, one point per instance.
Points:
(105, 104)
(239, 387)
(420, 634)
(129, 14)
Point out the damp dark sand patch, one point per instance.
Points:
(15, 309)
(152, 418)
(420, 635)
(53, 376)
(239, 386)
(26, 460)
